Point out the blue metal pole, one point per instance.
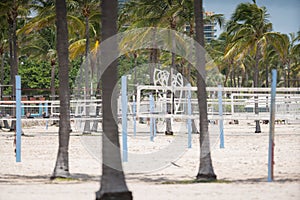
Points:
(124, 118)
(154, 127)
(46, 114)
(134, 115)
(40, 109)
(189, 118)
(151, 118)
(22, 110)
(221, 116)
(18, 118)
(272, 127)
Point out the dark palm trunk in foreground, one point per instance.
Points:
(206, 171)
(113, 185)
(62, 163)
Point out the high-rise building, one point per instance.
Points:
(209, 28)
(121, 3)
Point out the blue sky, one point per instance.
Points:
(284, 14)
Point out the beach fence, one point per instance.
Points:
(150, 102)
(237, 103)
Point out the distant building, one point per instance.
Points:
(121, 3)
(209, 28)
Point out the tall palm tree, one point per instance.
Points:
(285, 47)
(172, 11)
(157, 13)
(12, 10)
(89, 8)
(251, 29)
(3, 50)
(62, 162)
(206, 171)
(113, 184)
(188, 17)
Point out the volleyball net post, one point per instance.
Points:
(272, 128)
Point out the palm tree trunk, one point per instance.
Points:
(62, 162)
(113, 184)
(194, 127)
(228, 73)
(2, 74)
(267, 75)
(288, 75)
(52, 85)
(153, 58)
(14, 56)
(170, 95)
(98, 97)
(256, 76)
(206, 170)
(233, 77)
(87, 128)
(135, 73)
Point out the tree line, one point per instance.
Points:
(245, 51)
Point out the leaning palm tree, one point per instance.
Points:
(62, 162)
(206, 170)
(113, 184)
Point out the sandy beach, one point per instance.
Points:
(241, 167)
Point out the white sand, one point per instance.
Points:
(243, 162)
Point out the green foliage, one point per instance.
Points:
(75, 66)
(35, 76)
(233, 52)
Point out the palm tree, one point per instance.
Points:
(295, 58)
(188, 16)
(3, 50)
(130, 17)
(251, 29)
(12, 13)
(206, 171)
(171, 16)
(82, 45)
(286, 48)
(62, 162)
(113, 184)
(12, 10)
(86, 13)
